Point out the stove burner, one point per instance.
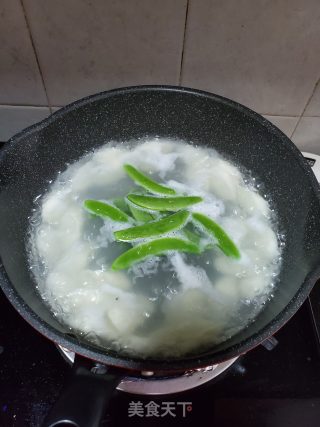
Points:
(160, 386)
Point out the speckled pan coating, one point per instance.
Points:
(33, 157)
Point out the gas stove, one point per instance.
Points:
(277, 384)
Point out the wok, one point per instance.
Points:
(31, 159)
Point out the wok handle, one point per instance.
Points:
(85, 398)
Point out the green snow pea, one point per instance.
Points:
(163, 203)
(146, 182)
(139, 214)
(192, 236)
(121, 204)
(227, 246)
(154, 247)
(196, 239)
(155, 228)
(105, 210)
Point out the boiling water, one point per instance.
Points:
(165, 306)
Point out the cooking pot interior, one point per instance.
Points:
(33, 158)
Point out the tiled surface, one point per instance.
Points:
(307, 134)
(313, 108)
(88, 46)
(14, 119)
(286, 124)
(262, 53)
(20, 81)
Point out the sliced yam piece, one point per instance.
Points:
(71, 223)
(192, 277)
(252, 286)
(93, 324)
(224, 180)
(113, 157)
(228, 168)
(230, 266)
(117, 279)
(263, 241)
(87, 176)
(192, 319)
(129, 312)
(153, 156)
(48, 242)
(229, 289)
(57, 284)
(104, 279)
(54, 208)
(235, 227)
(252, 202)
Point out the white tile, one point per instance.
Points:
(13, 119)
(20, 81)
(307, 135)
(285, 124)
(313, 108)
(264, 54)
(90, 46)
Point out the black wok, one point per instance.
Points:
(33, 157)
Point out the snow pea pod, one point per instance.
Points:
(193, 237)
(154, 247)
(163, 203)
(140, 215)
(121, 204)
(196, 239)
(146, 182)
(105, 210)
(225, 243)
(155, 228)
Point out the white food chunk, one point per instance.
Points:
(229, 289)
(111, 157)
(252, 286)
(92, 320)
(230, 266)
(76, 259)
(252, 202)
(193, 277)
(53, 208)
(222, 185)
(198, 171)
(188, 275)
(154, 157)
(128, 312)
(49, 241)
(224, 180)
(117, 279)
(191, 320)
(262, 240)
(87, 176)
(235, 227)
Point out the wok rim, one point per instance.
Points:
(139, 364)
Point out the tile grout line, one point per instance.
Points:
(291, 116)
(35, 54)
(305, 107)
(183, 41)
(25, 105)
